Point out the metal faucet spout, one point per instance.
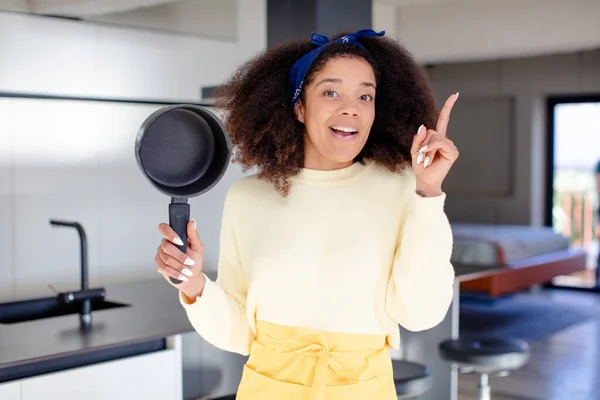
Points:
(85, 313)
(83, 246)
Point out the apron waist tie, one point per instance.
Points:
(311, 343)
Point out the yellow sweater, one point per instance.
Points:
(353, 250)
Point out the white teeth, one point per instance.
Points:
(344, 129)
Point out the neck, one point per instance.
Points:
(314, 160)
(321, 175)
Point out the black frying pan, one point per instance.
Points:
(183, 150)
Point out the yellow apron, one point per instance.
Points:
(292, 363)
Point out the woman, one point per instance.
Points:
(341, 234)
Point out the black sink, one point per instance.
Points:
(47, 307)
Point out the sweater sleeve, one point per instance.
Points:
(421, 284)
(219, 314)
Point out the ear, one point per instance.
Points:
(299, 110)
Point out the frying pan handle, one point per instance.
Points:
(179, 216)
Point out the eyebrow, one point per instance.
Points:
(337, 80)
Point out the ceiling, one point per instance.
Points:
(79, 8)
(93, 8)
(401, 3)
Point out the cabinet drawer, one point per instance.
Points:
(10, 391)
(149, 376)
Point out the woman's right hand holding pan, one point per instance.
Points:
(172, 262)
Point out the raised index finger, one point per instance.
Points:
(444, 118)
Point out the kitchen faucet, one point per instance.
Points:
(85, 295)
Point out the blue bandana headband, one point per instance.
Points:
(301, 67)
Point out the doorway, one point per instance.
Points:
(573, 188)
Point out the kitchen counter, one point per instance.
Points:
(152, 313)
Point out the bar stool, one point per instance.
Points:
(411, 379)
(485, 356)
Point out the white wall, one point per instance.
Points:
(45, 55)
(463, 30)
(528, 81)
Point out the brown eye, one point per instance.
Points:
(329, 93)
(366, 97)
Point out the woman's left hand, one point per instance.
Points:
(433, 154)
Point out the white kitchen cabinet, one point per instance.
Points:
(10, 391)
(149, 376)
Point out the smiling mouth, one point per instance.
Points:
(343, 131)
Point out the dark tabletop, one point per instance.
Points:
(153, 312)
(469, 272)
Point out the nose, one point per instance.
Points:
(349, 109)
